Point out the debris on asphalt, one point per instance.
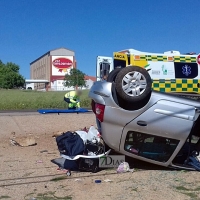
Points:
(68, 173)
(13, 134)
(62, 170)
(78, 179)
(14, 143)
(124, 167)
(24, 141)
(107, 180)
(44, 151)
(39, 161)
(85, 129)
(58, 133)
(92, 135)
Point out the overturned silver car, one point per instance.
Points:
(155, 127)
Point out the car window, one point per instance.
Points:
(150, 146)
(186, 70)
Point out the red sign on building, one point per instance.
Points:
(62, 64)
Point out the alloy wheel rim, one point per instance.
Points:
(134, 84)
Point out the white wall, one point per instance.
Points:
(58, 85)
(88, 83)
(30, 85)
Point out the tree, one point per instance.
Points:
(9, 76)
(75, 78)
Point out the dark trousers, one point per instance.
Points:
(68, 101)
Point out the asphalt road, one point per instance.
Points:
(19, 113)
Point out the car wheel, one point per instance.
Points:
(112, 75)
(133, 84)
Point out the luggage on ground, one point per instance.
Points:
(70, 144)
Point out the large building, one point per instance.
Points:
(53, 66)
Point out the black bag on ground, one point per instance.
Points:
(70, 144)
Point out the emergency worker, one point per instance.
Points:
(73, 99)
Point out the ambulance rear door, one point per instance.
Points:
(104, 67)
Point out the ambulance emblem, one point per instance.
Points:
(186, 70)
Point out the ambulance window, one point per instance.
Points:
(119, 63)
(186, 70)
(104, 69)
(150, 146)
(104, 66)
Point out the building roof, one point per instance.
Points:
(61, 48)
(49, 53)
(93, 78)
(36, 81)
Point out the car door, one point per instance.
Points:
(158, 133)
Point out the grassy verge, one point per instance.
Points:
(24, 99)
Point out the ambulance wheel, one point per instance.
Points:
(112, 75)
(68, 173)
(133, 84)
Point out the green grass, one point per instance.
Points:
(58, 178)
(5, 197)
(48, 196)
(186, 189)
(182, 188)
(24, 99)
(189, 192)
(193, 196)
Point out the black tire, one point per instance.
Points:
(136, 91)
(112, 75)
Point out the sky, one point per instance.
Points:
(30, 28)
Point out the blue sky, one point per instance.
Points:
(30, 28)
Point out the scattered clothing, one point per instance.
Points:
(194, 161)
(124, 167)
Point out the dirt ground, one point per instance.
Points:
(27, 173)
